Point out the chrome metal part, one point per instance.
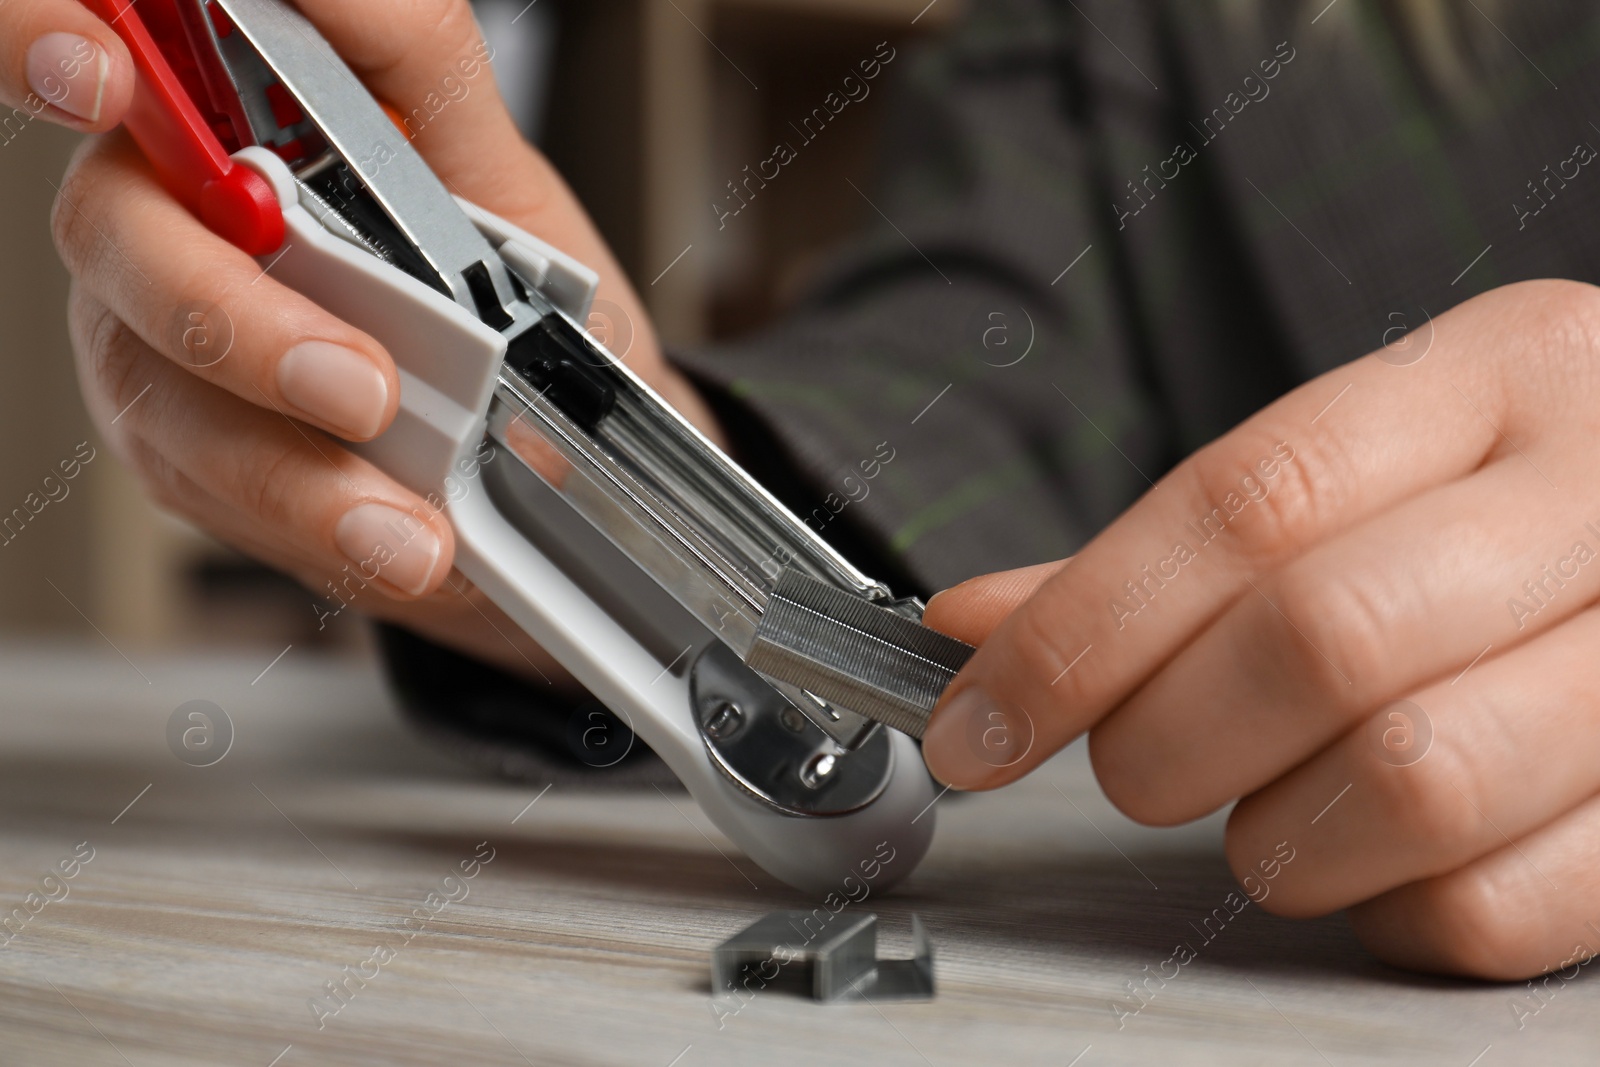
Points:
(842, 961)
(844, 726)
(778, 756)
(353, 124)
(847, 651)
(339, 226)
(649, 482)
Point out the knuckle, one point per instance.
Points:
(113, 353)
(160, 478)
(456, 24)
(1546, 333)
(74, 235)
(1266, 517)
(1480, 926)
(1428, 802)
(1566, 324)
(1247, 844)
(273, 486)
(1570, 310)
(445, 24)
(1331, 629)
(1124, 776)
(87, 322)
(1034, 646)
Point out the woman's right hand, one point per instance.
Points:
(248, 446)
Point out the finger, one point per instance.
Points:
(211, 309)
(456, 614)
(307, 496)
(1313, 464)
(970, 611)
(62, 65)
(427, 59)
(1526, 909)
(1510, 747)
(1312, 648)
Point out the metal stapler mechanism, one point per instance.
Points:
(782, 685)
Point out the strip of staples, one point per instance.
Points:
(854, 653)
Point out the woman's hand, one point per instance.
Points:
(62, 64)
(1368, 612)
(248, 445)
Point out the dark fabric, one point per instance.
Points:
(1342, 203)
(500, 724)
(1361, 187)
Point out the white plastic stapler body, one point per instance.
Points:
(781, 685)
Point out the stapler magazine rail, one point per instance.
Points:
(780, 683)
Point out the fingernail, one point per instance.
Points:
(70, 72)
(971, 740)
(389, 543)
(335, 385)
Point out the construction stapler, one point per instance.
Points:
(784, 687)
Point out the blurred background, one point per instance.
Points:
(649, 107)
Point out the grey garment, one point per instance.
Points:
(1188, 208)
(1083, 303)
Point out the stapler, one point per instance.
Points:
(782, 685)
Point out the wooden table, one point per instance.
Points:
(221, 899)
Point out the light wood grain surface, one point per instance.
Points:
(217, 905)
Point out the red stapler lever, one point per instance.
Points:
(232, 200)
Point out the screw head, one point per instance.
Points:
(724, 721)
(814, 773)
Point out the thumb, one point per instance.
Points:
(967, 750)
(970, 611)
(60, 63)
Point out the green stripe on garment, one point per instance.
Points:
(819, 397)
(1081, 443)
(963, 499)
